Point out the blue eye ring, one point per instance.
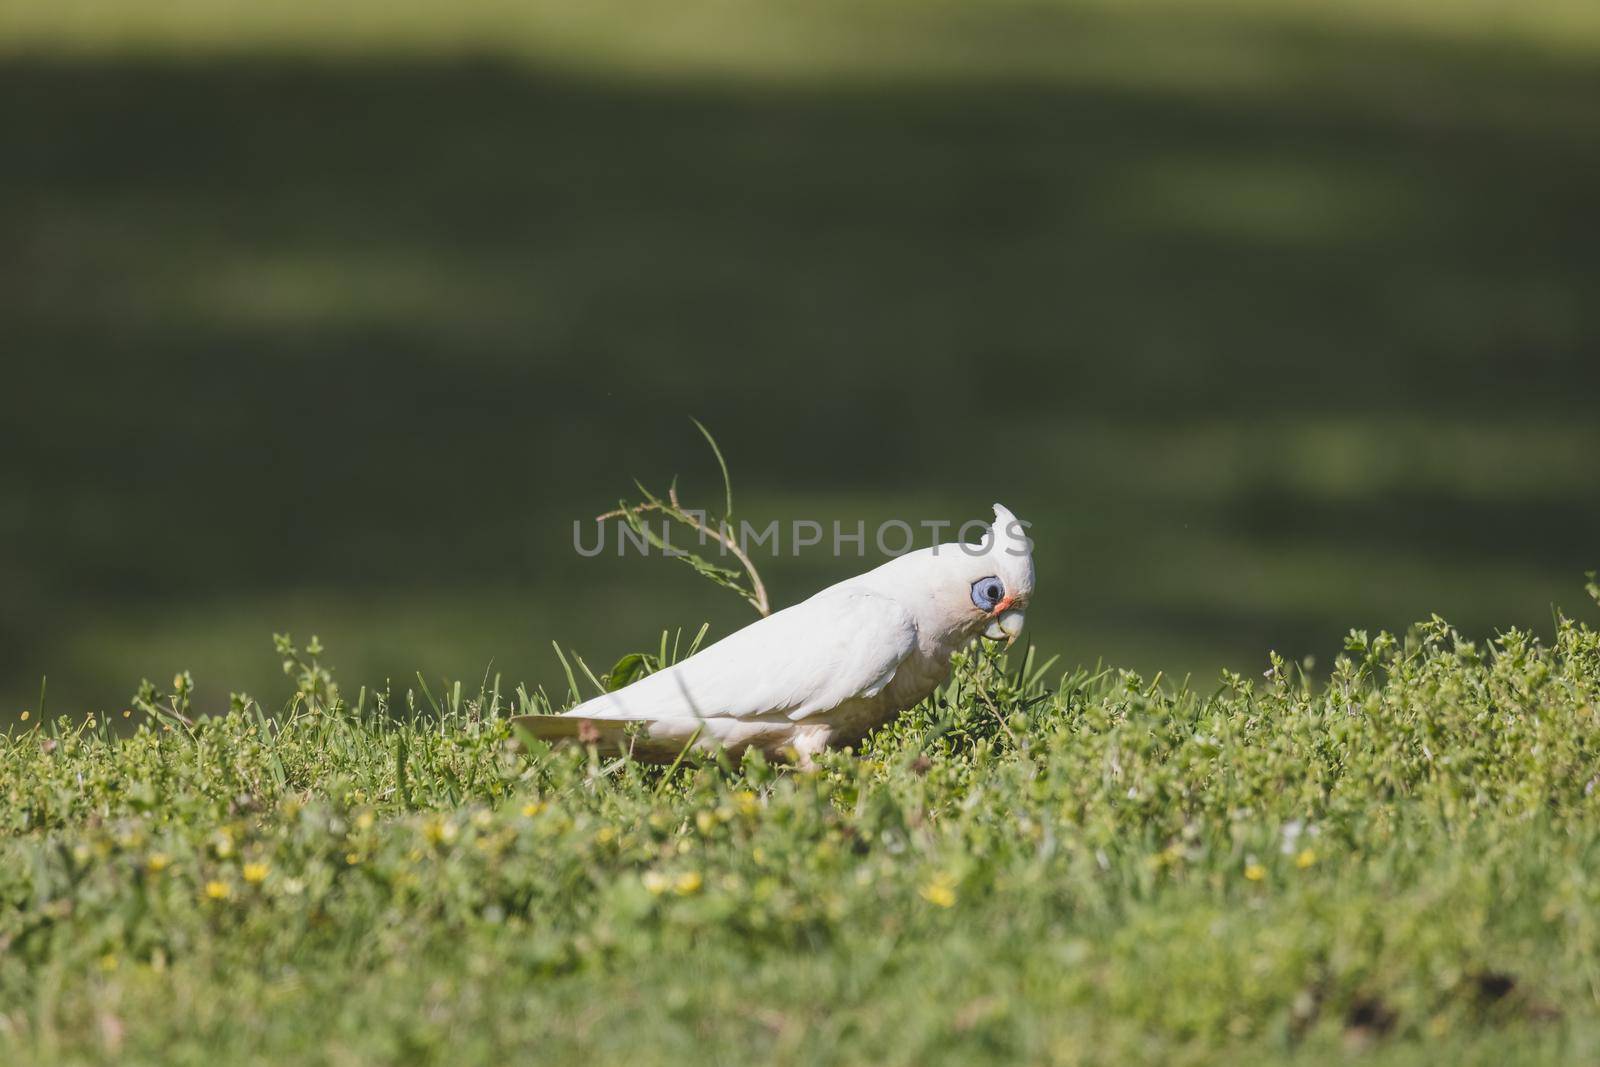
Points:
(987, 592)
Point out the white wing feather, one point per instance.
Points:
(839, 645)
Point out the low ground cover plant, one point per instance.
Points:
(1087, 866)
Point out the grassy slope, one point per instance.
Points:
(1056, 38)
(1401, 860)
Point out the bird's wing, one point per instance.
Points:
(839, 645)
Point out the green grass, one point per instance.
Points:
(1089, 868)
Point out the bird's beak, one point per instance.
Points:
(1005, 626)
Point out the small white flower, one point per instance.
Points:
(1293, 831)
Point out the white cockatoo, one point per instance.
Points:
(826, 671)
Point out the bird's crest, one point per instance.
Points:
(1008, 536)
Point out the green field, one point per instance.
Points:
(1274, 318)
(1032, 867)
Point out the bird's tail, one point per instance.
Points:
(609, 735)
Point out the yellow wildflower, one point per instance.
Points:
(255, 873)
(655, 882)
(605, 835)
(940, 892)
(216, 890)
(1170, 856)
(688, 882)
(1255, 872)
(1306, 858)
(746, 802)
(532, 808)
(364, 820)
(25, 715)
(157, 862)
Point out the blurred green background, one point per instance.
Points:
(1274, 319)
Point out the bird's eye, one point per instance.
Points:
(987, 592)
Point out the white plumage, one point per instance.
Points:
(828, 670)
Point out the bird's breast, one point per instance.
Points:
(916, 679)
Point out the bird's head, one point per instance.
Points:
(1000, 571)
